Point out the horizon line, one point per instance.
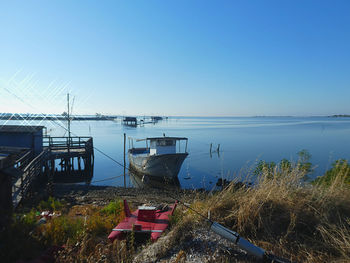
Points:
(179, 116)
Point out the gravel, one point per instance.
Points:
(201, 245)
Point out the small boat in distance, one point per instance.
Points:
(159, 159)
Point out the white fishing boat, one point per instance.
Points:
(162, 157)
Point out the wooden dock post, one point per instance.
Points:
(50, 177)
(79, 164)
(76, 158)
(5, 199)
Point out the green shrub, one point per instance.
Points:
(340, 170)
(51, 204)
(113, 208)
(270, 170)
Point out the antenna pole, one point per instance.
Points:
(68, 119)
(68, 116)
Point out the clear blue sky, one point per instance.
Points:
(216, 58)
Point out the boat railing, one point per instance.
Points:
(147, 141)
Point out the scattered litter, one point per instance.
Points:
(46, 215)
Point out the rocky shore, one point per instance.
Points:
(102, 195)
(81, 194)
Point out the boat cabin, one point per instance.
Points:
(164, 145)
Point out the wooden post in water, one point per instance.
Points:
(51, 176)
(124, 160)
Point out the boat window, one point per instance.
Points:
(165, 143)
(153, 144)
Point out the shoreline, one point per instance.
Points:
(79, 194)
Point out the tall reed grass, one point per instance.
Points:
(281, 213)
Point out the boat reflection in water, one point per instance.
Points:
(145, 181)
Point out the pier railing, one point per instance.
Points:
(64, 143)
(28, 169)
(24, 160)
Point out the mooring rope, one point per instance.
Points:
(106, 179)
(111, 158)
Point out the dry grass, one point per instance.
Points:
(301, 222)
(97, 250)
(91, 245)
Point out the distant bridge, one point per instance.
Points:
(52, 117)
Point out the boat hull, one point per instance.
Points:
(162, 166)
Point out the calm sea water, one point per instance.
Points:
(243, 142)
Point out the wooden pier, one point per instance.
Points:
(71, 159)
(130, 121)
(134, 121)
(63, 159)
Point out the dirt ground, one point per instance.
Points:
(102, 195)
